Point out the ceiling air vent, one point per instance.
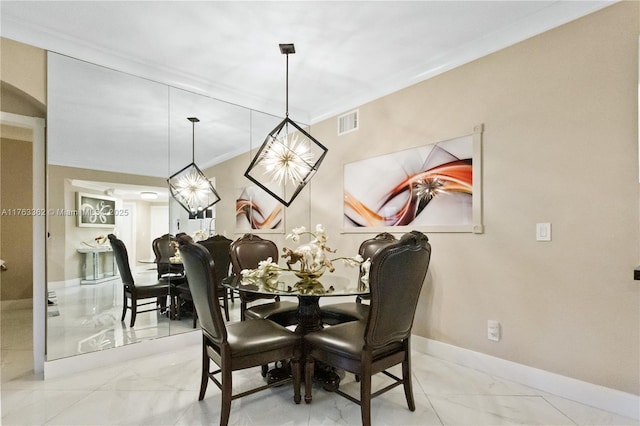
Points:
(348, 122)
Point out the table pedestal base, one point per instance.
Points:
(325, 374)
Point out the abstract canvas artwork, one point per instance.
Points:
(256, 209)
(97, 211)
(430, 186)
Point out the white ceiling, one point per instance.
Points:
(347, 53)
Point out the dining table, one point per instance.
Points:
(309, 313)
(309, 292)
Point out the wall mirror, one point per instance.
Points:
(112, 140)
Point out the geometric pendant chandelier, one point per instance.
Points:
(289, 156)
(191, 188)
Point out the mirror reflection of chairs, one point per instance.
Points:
(165, 249)
(236, 345)
(368, 347)
(136, 295)
(218, 247)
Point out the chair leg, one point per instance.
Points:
(172, 314)
(365, 395)
(225, 305)
(161, 302)
(233, 298)
(406, 378)
(134, 310)
(124, 306)
(227, 388)
(195, 316)
(204, 380)
(178, 304)
(243, 307)
(308, 379)
(295, 371)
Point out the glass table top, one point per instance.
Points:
(288, 284)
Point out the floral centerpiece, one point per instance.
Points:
(312, 259)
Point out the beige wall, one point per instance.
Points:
(23, 91)
(561, 146)
(16, 231)
(24, 67)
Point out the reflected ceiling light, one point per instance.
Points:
(190, 187)
(289, 157)
(149, 195)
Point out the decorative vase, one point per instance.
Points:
(309, 275)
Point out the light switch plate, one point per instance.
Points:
(543, 231)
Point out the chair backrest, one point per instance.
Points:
(122, 260)
(203, 285)
(368, 248)
(396, 276)
(164, 250)
(218, 247)
(250, 249)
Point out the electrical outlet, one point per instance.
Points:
(493, 330)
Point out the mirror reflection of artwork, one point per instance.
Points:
(96, 210)
(255, 209)
(430, 185)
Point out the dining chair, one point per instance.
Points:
(218, 246)
(365, 348)
(164, 249)
(348, 311)
(137, 294)
(245, 253)
(236, 345)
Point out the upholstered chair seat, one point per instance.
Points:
(339, 313)
(349, 311)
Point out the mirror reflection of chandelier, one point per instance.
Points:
(191, 188)
(289, 156)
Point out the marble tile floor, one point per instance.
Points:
(87, 318)
(163, 390)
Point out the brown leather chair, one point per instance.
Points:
(342, 312)
(245, 253)
(163, 250)
(233, 346)
(365, 348)
(137, 293)
(218, 246)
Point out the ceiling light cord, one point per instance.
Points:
(193, 141)
(193, 121)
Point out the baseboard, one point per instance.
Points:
(608, 399)
(107, 357)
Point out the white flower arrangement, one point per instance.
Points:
(311, 257)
